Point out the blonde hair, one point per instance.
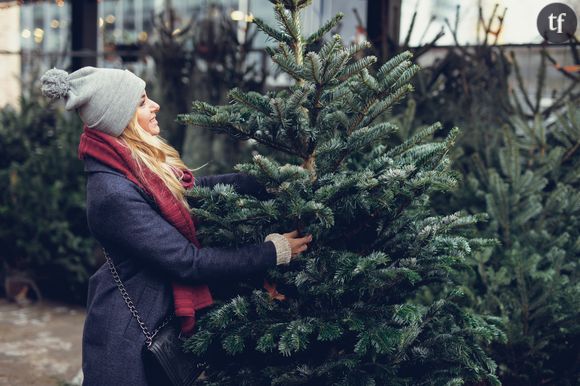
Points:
(156, 154)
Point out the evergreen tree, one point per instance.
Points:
(373, 300)
(531, 191)
(43, 226)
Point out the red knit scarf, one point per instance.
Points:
(109, 151)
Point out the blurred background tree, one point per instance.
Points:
(531, 191)
(517, 160)
(46, 245)
(204, 51)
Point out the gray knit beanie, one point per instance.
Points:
(105, 98)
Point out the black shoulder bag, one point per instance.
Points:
(166, 363)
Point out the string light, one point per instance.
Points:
(237, 15)
(38, 34)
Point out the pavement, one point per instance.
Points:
(40, 344)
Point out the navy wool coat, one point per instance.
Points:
(149, 254)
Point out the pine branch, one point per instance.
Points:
(331, 47)
(384, 105)
(405, 77)
(334, 66)
(355, 48)
(315, 66)
(290, 66)
(271, 33)
(251, 100)
(278, 110)
(355, 68)
(326, 27)
(394, 62)
(414, 140)
(287, 24)
(369, 81)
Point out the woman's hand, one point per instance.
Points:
(297, 244)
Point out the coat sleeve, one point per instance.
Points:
(242, 182)
(127, 224)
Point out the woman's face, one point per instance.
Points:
(146, 113)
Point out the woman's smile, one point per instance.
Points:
(146, 114)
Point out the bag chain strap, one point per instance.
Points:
(148, 336)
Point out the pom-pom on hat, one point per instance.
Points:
(105, 98)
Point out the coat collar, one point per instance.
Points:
(94, 166)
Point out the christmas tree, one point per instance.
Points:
(531, 191)
(374, 300)
(44, 235)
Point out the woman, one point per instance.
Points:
(137, 210)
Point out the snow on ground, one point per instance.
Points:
(40, 344)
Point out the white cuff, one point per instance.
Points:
(283, 251)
